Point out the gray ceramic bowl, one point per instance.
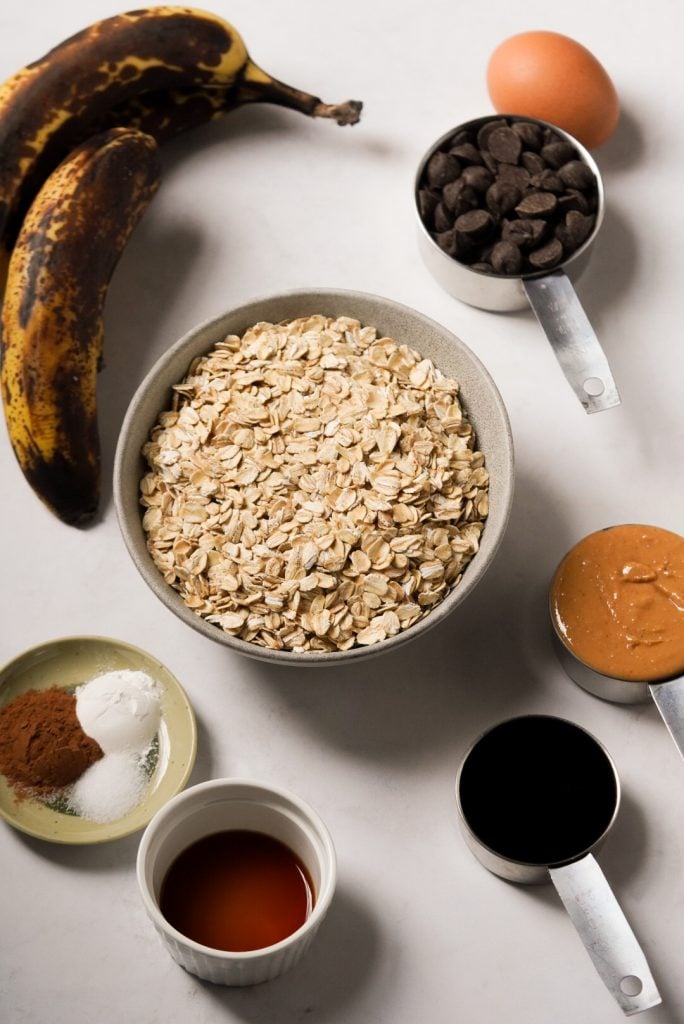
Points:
(480, 397)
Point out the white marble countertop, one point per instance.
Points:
(267, 201)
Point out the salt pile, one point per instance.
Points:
(121, 710)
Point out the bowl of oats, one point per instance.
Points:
(315, 477)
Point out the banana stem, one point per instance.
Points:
(256, 86)
(343, 113)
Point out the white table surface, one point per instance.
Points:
(267, 201)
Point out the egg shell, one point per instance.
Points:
(552, 77)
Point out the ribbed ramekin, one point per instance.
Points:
(220, 805)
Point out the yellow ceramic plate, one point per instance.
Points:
(70, 662)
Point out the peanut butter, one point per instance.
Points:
(617, 602)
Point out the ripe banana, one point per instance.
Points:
(166, 113)
(60, 100)
(52, 321)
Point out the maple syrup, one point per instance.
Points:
(237, 890)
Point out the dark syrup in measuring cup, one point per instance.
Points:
(538, 790)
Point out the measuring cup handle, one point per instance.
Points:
(573, 340)
(669, 699)
(606, 934)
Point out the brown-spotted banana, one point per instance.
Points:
(52, 317)
(167, 113)
(57, 102)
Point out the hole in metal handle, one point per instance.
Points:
(594, 386)
(631, 985)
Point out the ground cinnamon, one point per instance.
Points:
(42, 744)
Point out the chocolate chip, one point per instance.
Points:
(490, 163)
(455, 244)
(529, 134)
(505, 145)
(517, 176)
(579, 227)
(441, 169)
(427, 201)
(506, 258)
(466, 153)
(576, 174)
(478, 178)
(563, 235)
(476, 224)
(548, 256)
(443, 218)
(537, 204)
(487, 129)
(558, 153)
(547, 181)
(573, 200)
(524, 233)
(459, 197)
(502, 197)
(460, 137)
(532, 162)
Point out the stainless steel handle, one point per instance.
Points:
(606, 934)
(573, 340)
(669, 699)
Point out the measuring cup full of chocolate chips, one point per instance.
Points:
(508, 208)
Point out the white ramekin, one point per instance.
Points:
(217, 806)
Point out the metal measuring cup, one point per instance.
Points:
(540, 768)
(667, 693)
(550, 293)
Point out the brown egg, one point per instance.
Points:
(550, 76)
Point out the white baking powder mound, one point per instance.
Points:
(120, 710)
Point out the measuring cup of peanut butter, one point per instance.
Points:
(617, 609)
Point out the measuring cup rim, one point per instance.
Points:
(535, 864)
(585, 155)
